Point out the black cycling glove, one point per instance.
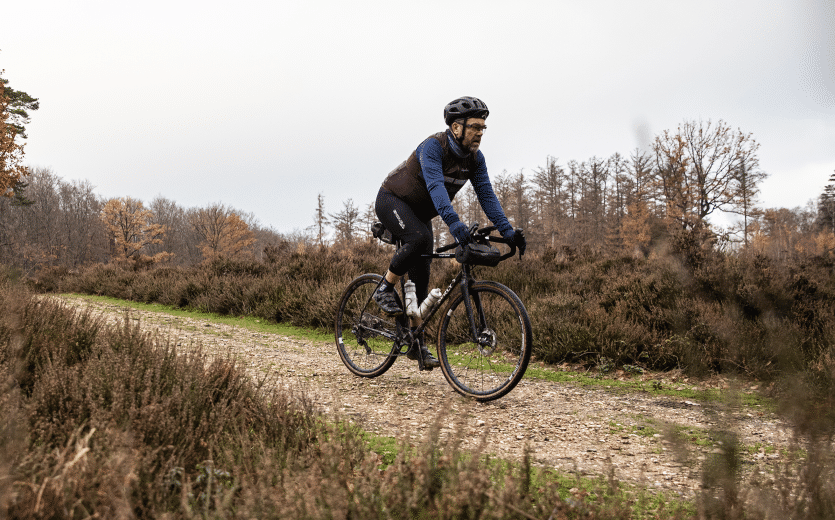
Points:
(518, 239)
(461, 232)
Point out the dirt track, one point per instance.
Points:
(566, 426)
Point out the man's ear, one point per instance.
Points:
(456, 129)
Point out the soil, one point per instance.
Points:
(590, 431)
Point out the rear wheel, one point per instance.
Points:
(493, 362)
(365, 336)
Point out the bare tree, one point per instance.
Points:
(621, 187)
(635, 225)
(550, 198)
(369, 217)
(784, 233)
(592, 205)
(346, 222)
(320, 220)
(520, 207)
(42, 242)
(698, 167)
(502, 188)
(745, 190)
(81, 227)
(180, 238)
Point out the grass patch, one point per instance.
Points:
(697, 436)
(250, 323)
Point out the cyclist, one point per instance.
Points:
(423, 187)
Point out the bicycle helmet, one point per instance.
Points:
(465, 107)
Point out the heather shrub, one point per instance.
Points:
(689, 308)
(111, 422)
(137, 413)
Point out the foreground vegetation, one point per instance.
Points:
(101, 422)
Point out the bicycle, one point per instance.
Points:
(483, 341)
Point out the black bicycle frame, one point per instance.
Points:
(464, 279)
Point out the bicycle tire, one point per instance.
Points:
(364, 334)
(491, 368)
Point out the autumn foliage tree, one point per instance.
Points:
(222, 232)
(14, 106)
(131, 230)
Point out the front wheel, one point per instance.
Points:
(365, 336)
(490, 364)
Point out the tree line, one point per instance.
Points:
(665, 193)
(67, 224)
(46, 221)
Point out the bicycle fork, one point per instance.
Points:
(473, 307)
(468, 305)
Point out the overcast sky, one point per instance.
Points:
(263, 105)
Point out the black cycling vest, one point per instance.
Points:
(407, 182)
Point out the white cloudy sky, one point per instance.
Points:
(262, 105)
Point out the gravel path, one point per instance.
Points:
(566, 426)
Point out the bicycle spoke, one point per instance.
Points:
(365, 337)
(491, 364)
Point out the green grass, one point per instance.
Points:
(642, 503)
(698, 436)
(651, 386)
(247, 322)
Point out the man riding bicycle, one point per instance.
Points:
(423, 187)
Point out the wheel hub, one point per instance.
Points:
(487, 342)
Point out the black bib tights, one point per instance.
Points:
(417, 237)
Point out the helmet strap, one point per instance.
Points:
(460, 140)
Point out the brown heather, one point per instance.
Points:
(111, 423)
(694, 310)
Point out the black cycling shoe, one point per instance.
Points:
(429, 361)
(388, 302)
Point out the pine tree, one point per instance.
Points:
(14, 106)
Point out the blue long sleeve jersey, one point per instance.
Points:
(430, 156)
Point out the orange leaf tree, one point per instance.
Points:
(129, 226)
(221, 231)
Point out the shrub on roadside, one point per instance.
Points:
(698, 311)
(110, 422)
